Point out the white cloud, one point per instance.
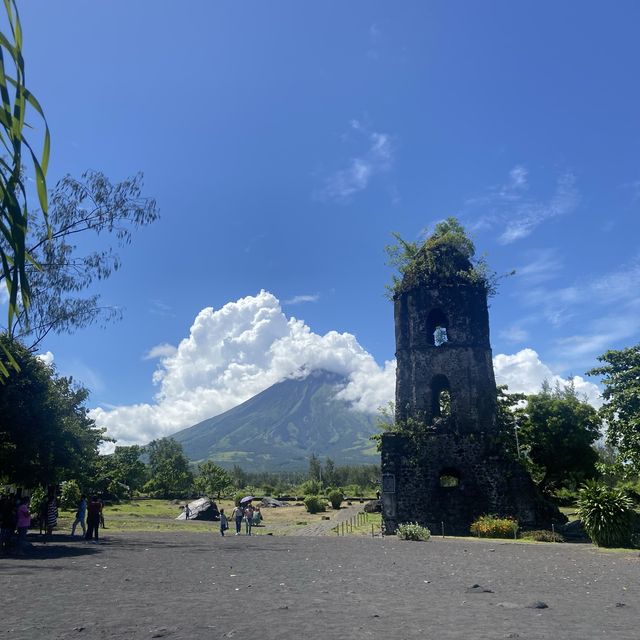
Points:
(610, 303)
(524, 372)
(511, 207)
(232, 354)
(302, 298)
(163, 350)
(376, 159)
(46, 357)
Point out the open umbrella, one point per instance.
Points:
(247, 499)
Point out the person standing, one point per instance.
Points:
(224, 523)
(248, 519)
(237, 514)
(23, 522)
(94, 509)
(81, 514)
(7, 522)
(52, 513)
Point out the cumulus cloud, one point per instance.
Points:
(524, 372)
(46, 357)
(235, 352)
(376, 159)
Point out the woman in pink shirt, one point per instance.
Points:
(23, 523)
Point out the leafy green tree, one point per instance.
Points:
(239, 477)
(78, 207)
(211, 479)
(315, 468)
(510, 415)
(560, 431)
(329, 474)
(621, 408)
(46, 435)
(70, 495)
(169, 469)
(14, 219)
(120, 473)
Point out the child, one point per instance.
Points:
(224, 523)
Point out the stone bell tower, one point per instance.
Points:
(443, 351)
(455, 468)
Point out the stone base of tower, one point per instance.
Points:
(452, 480)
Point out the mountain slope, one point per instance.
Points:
(283, 425)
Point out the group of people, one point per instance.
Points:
(242, 512)
(14, 516)
(93, 512)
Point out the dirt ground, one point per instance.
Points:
(199, 585)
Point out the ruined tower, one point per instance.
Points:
(447, 465)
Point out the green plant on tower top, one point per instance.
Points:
(446, 257)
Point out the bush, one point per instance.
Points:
(335, 498)
(490, 526)
(311, 488)
(314, 504)
(543, 535)
(606, 514)
(70, 496)
(237, 497)
(412, 531)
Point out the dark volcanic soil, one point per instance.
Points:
(181, 585)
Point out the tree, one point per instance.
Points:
(169, 469)
(211, 479)
(559, 431)
(315, 468)
(92, 204)
(621, 408)
(510, 415)
(46, 435)
(13, 204)
(120, 473)
(14, 221)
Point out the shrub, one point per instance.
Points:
(70, 496)
(490, 526)
(543, 535)
(314, 504)
(38, 495)
(237, 497)
(565, 497)
(412, 531)
(311, 488)
(335, 498)
(606, 514)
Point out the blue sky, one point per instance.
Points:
(285, 141)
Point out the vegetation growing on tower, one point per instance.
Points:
(447, 256)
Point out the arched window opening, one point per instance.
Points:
(449, 478)
(441, 397)
(444, 403)
(437, 326)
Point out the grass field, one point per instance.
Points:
(160, 515)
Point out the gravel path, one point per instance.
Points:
(188, 585)
(324, 527)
